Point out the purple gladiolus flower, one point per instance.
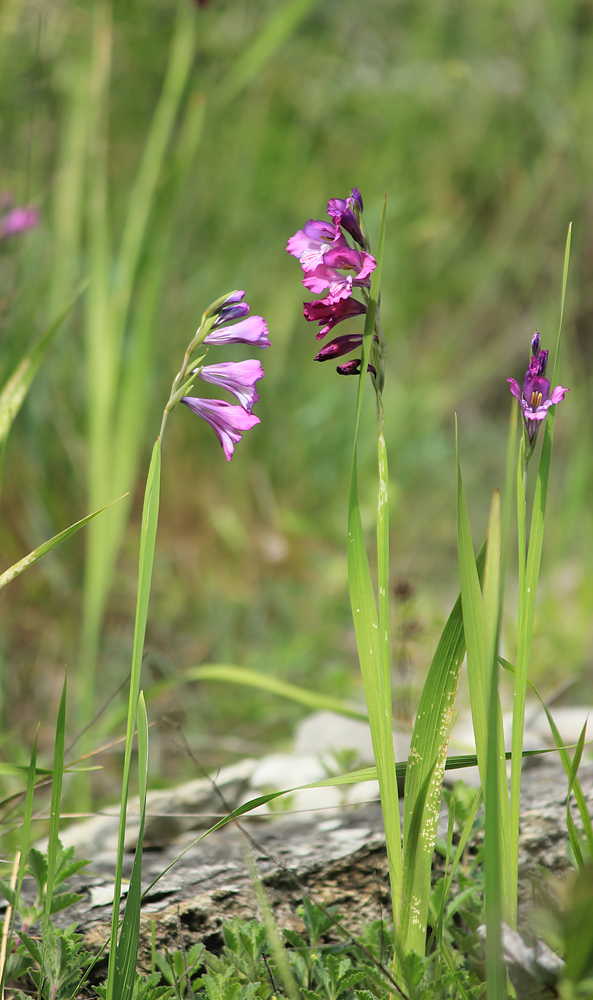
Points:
(19, 220)
(309, 245)
(252, 330)
(341, 212)
(233, 308)
(341, 345)
(322, 311)
(228, 421)
(238, 377)
(536, 399)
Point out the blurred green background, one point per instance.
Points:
(477, 119)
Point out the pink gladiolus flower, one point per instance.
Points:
(19, 220)
(228, 421)
(309, 245)
(238, 377)
(252, 330)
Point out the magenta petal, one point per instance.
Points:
(515, 387)
(339, 286)
(558, 394)
(238, 377)
(252, 330)
(228, 421)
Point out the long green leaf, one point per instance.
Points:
(429, 742)
(497, 819)
(17, 568)
(565, 758)
(266, 682)
(479, 637)
(276, 31)
(528, 595)
(127, 949)
(17, 386)
(56, 798)
(150, 513)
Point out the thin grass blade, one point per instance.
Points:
(276, 31)
(150, 513)
(127, 948)
(267, 682)
(17, 568)
(56, 798)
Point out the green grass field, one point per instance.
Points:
(477, 120)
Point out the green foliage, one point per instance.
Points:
(57, 962)
(60, 897)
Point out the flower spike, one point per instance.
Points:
(535, 398)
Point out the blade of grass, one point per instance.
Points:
(565, 758)
(150, 514)
(497, 892)
(19, 567)
(19, 870)
(18, 384)
(56, 798)
(276, 31)
(429, 742)
(276, 946)
(528, 592)
(108, 317)
(127, 949)
(480, 635)
(267, 682)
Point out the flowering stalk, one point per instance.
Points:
(530, 558)
(229, 422)
(325, 253)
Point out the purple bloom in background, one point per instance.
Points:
(19, 220)
(341, 345)
(322, 311)
(228, 421)
(238, 377)
(535, 399)
(252, 330)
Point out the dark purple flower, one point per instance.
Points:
(322, 311)
(252, 330)
(353, 368)
(19, 220)
(238, 377)
(340, 210)
(357, 197)
(535, 399)
(229, 422)
(341, 345)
